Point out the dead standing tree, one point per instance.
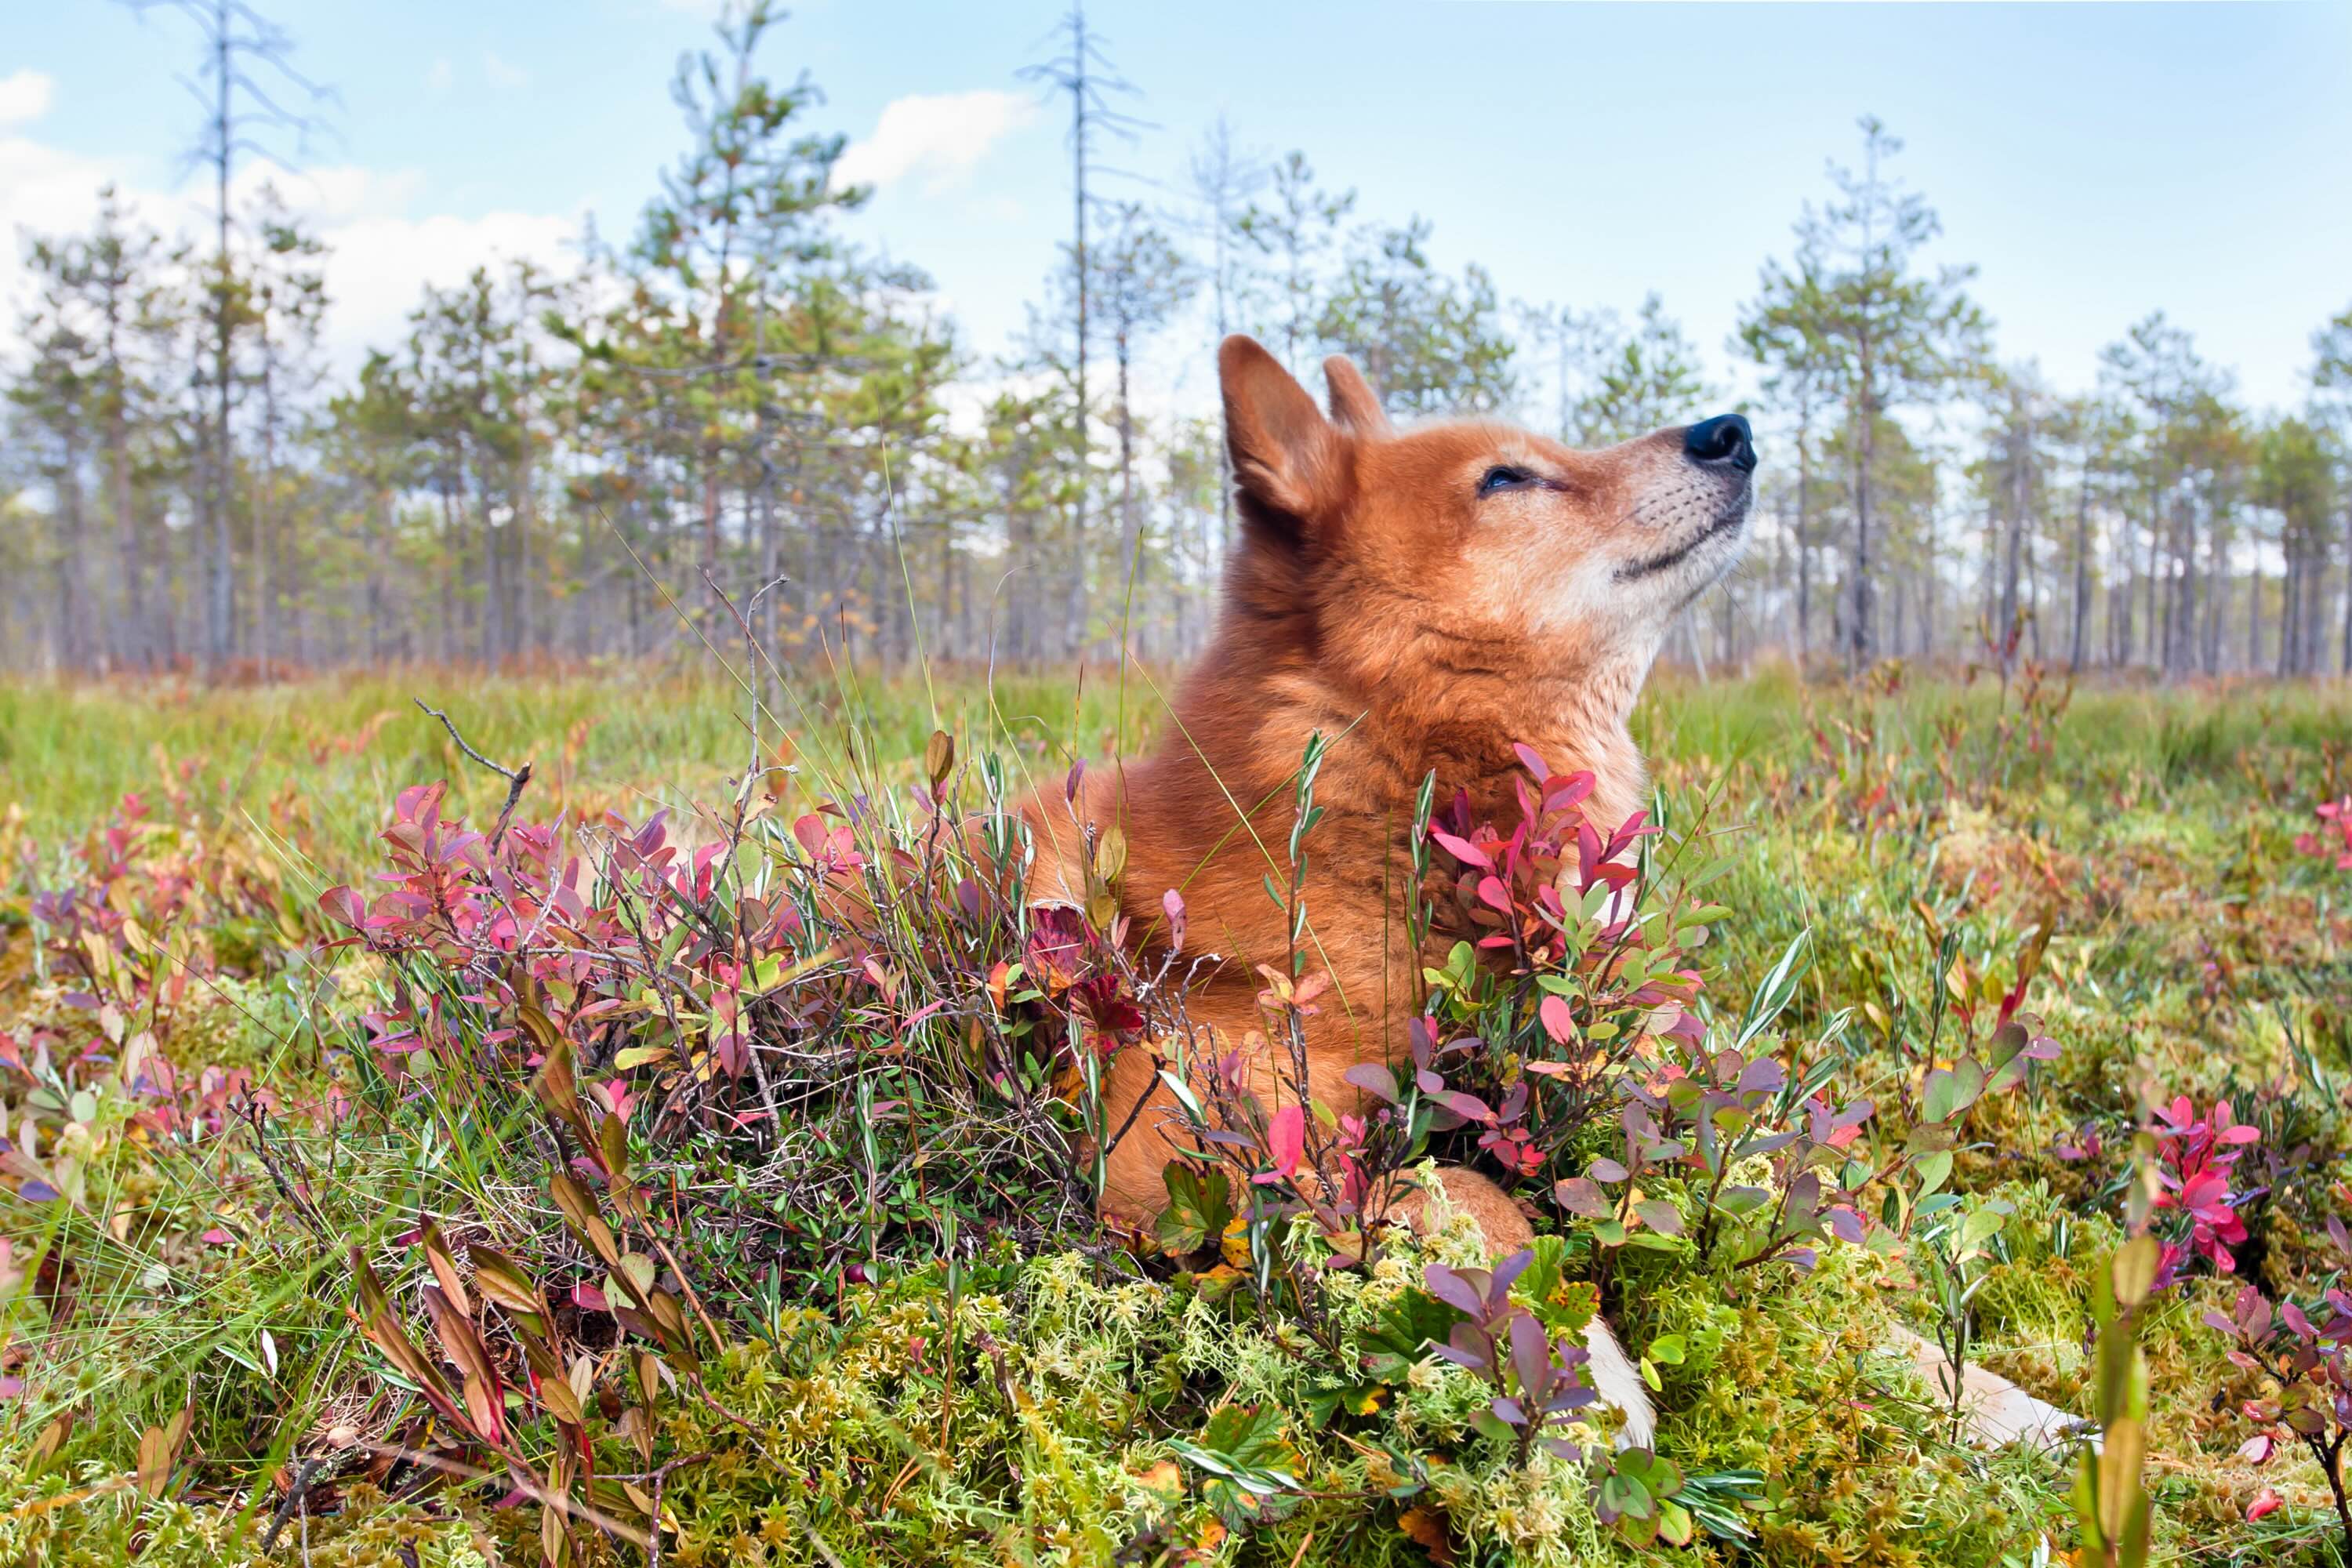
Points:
(1082, 70)
(241, 48)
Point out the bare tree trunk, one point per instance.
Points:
(2082, 572)
(73, 612)
(222, 597)
(2290, 615)
(264, 485)
(1130, 522)
(2345, 665)
(1858, 633)
(2254, 617)
(1804, 544)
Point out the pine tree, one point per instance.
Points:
(1883, 333)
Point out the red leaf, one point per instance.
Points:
(1286, 1138)
(1462, 849)
(344, 907)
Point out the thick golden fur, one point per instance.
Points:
(1377, 595)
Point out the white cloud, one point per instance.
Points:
(938, 135)
(379, 267)
(45, 189)
(24, 95)
(501, 74)
(379, 255)
(441, 78)
(327, 194)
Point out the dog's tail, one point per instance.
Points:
(1620, 1386)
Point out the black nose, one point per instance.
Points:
(1725, 438)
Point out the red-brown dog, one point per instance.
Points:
(1424, 599)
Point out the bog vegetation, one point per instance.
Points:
(687, 1157)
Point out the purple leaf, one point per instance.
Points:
(1530, 1352)
(1468, 1107)
(1472, 1346)
(1452, 1289)
(1578, 1196)
(1660, 1216)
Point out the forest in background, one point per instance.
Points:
(737, 422)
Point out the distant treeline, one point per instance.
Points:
(740, 401)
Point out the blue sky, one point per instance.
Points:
(2096, 161)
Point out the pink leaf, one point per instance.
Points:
(1286, 1140)
(1462, 849)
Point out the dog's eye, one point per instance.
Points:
(1503, 478)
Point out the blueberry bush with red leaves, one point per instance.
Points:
(2304, 1357)
(2199, 1155)
(818, 996)
(2333, 837)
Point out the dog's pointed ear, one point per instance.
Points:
(1353, 405)
(1286, 456)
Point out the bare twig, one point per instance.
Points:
(529, 1485)
(515, 777)
(654, 1533)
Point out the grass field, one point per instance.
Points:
(870, 1330)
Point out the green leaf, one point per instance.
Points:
(1400, 1338)
(2133, 1270)
(1200, 1206)
(1777, 990)
(1244, 1446)
(1950, 1091)
(1353, 1398)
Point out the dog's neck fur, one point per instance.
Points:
(1397, 700)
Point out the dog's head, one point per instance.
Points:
(1472, 542)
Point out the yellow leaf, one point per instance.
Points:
(1163, 1477)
